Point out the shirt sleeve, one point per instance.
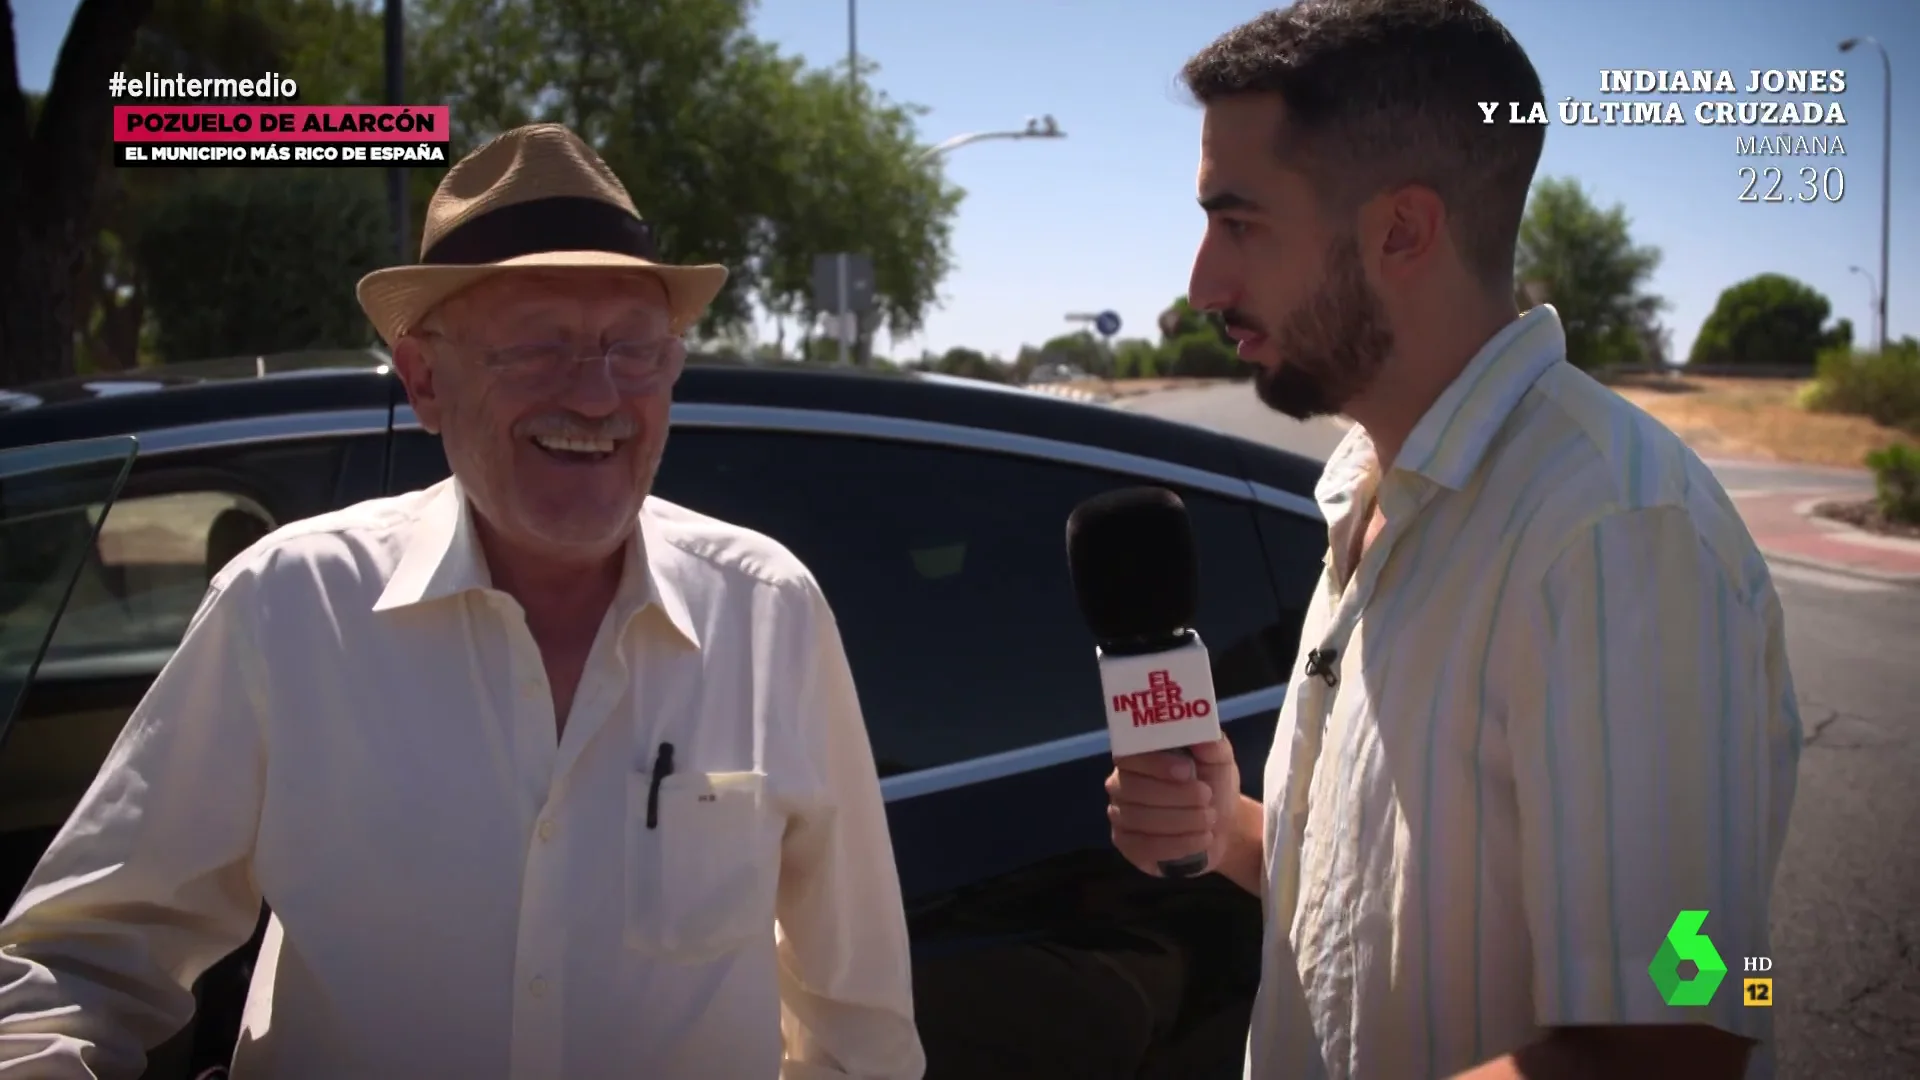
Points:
(846, 979)
(1655, 743)
(149, 883)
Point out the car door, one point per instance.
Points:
(48, 528)
(191, 499)
(52, 504)
(1038, 953)
(178, 517)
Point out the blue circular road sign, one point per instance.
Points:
(1107, 323)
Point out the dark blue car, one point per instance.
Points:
(932, 512)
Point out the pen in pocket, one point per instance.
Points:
(662, 768)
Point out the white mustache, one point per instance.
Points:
(570, 426)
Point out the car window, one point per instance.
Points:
(1296, 549)
(418, 462)
(149, 568)
(139, 579)
(946, 569)
(45, 536)
(181, 518)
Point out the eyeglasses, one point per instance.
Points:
(634, 367)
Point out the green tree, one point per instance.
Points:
(74, 295)
(1195, 345)
(970, 364)
(262, 261)
(1135, 358)
(842, 175)
(1583, 261)
(1078, 350)
(1181, 319)
(737, 154)
(330, 48)
(50, 161)
(1201, 355)
(1769, 320)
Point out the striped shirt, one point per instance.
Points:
(1563, 716)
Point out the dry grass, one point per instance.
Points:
(1755, 418)
(1718, 417)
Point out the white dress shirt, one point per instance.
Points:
(1563, 716)
(358, 728)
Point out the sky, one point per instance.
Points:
(1105, 218)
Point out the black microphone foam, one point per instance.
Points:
(1135, 569)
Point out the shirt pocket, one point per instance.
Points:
(702, 880)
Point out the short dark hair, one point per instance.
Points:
(1380, 93)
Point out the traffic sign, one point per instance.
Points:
(1107, 323)
(843, 283)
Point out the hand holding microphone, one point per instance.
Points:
(1175, 790)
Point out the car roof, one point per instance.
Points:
(236, 388)
(208, 391)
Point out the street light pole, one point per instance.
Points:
(841, 331)
(1040, 128)
(853, 48)
(396, 176)
(1873, 299)
(1886, 173)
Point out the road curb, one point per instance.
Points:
(1910, 581)
(1808, 508)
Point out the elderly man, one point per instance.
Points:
(540, 776)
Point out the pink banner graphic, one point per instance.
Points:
(280, 123)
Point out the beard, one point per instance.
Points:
(1331, 347)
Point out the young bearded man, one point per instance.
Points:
(1545, 704)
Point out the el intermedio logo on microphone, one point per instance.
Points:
(1161, 702)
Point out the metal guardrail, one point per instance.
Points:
(1071, 393)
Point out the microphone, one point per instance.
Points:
(1136, 576)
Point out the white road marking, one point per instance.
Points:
(1825, 494)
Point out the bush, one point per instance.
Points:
(1135, 358)
(1896, 479)
(971, 364)
(1202, 354)
(1884, 386)
(263, 261)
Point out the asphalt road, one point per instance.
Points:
(1846, 903)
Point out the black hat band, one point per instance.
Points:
(559, 223)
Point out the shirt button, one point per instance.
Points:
(546, 830)
(538, 987)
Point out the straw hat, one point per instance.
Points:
(536, 197)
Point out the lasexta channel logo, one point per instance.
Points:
(1685, 942)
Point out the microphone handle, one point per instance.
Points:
(1185, 866)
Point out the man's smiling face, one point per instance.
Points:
(557, 460)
